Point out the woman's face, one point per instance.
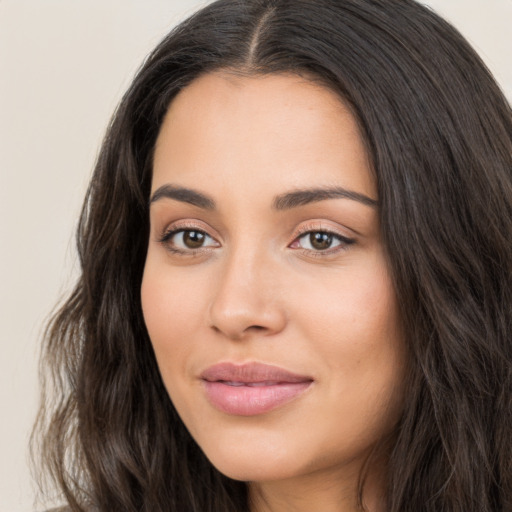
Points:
(266, 291)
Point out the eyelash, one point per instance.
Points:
(308, 230)
(166, 237)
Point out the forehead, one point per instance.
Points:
(227, 128)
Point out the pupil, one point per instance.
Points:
(193, 239)
(320, 241)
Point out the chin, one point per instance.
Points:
(254, 460)
(249, 470)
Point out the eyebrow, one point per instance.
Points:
(185, 195)
(281, 202)
(313, 195)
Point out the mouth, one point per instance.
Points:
(251, 389)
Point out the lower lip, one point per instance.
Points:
(252, 400)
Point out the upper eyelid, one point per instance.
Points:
(168, 233)
(186, 226)
(343, 238)
(303, 229)
(332, 233)
(321, 228)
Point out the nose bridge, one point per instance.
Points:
(245, 299)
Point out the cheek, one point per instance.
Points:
(355, 326)
(356, 309)
(170, 308)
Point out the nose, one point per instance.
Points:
(246, 301)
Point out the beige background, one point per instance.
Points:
(63, 67)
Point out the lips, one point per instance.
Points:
(251, 389)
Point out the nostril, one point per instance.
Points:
(241, 334)
(256, 327)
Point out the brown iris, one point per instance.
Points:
(320, 241)
(193, 239)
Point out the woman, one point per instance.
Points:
(296, 273)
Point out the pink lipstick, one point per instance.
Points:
(252, 388)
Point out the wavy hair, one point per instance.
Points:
(438, 132)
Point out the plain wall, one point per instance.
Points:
(63, 67)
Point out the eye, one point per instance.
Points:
(185, 240)
(321, 241)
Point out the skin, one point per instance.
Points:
(258, 290)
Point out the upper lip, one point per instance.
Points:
(250, 372)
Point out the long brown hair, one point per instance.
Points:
(439, 135)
